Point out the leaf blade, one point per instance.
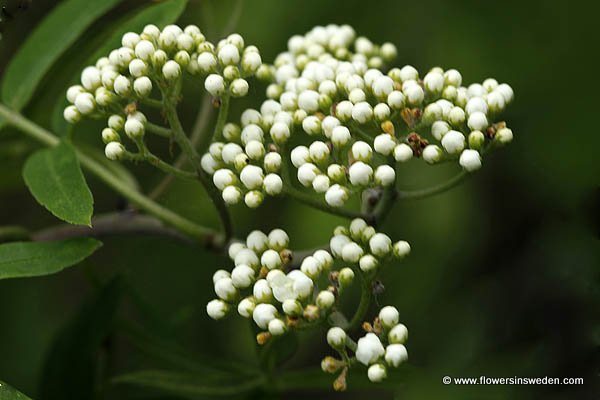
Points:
(9, 393)
(52, 37)
(30, 259)
(55, 179)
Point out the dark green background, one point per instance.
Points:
(504, 275)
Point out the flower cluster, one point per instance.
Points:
(380, 348)
(330, 89)
(151, 62)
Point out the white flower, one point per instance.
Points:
(434, 82)
(256, 241)
(171, 70)
(292, 307)
(307, 173)
(368, 263)
(337, 243)
(134, 128)
(346, 277)
(121, 86)
(328, 124)
(336, 173)
(144, 50)
(219, 274)
(361, 151)
(369, 349)
(291, 286)
(225, 289)
(242, 276)
(263, 314)
(398, 334)
(72, 114)
(352, 252)
(389, 316)
(384, 144)
(246, 256)
(343, 110)
(336, 195)
(239, 87)
(408, 72)
(246, 307)
(311, 267)
(340, 136)
(324, 259)
(300, 155)
(377, 373)
(234, 248)
(209, 164)
(270, 259)
(229, 55)
(273, 184)
(73, 91)
(382, 112)
(380, 244)
(231, 195)
(325, 299)
(251, 61)
(470, 160)
(362, 112)
(477, 121)
(217, 309)
(142, 86)
(395, 354)
(414, 94)
(403, 152)
(90, 78)
(214, 84)
(253, 198)
(262, 291)
(456, 116)
(321, 183)
(503, 135)
(453, 142)
(476, 104)
(308, 100)
(303, 285)
(110, 135)
(272, 161)
(505, 90)
(336, 337)
(114, 151)
(137, 68)
(357, 226)
(453, 77)
(85, 103)
(383, 86)
(255, 150)
(439, 129)
(318, 151)
(432, 154)
(222, 178)
(311, 125)
(401, 249)
(396, 100)
(252, 177)
(278, 239)
(495, 101)
(277, 327)
(252, 132)
(230, 151)
(360, 174)
(207, 62)
(385, 175)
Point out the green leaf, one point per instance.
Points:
(55, 179)
(163, 13)
(8, 393)
(27, 259)
(51, 38)
(71, 367)
(191, 386)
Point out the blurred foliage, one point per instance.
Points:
(504, 277)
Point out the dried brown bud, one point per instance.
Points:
(311, 312)
(388, 127)
(263, 338)
(339, 385)
(367, 327)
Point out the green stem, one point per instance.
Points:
(319, 205)
(442, 187)
(152, 102)
(200, 233)
(363, 305)
(204, 141)
(12, 233)
(169, 169)
(158, 130)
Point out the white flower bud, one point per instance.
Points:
(217, 309)
(134, 128)
(321, 183)
(137, 68)
(356, 228)
(476, 104)
(110, 135)
(336, 337)
(234, 249)
(253, 198)
(252, 177)
(401, 249)
(377, 373)
(477, 121)
(311, 125)
(311, 267)
(318, 151)
(360, 174)
(85, 103)
(307, 173)
(242, 276)
(225, 289)
(470, 160)
(396, 100)
(229, 152)
(403, 152)
(223, 177)
(381, 112)
(229, 55)
(255, 150)
(385, 175)
(432, 154)
(270, 259)
(73, 92)
(456, 116)
(325, 300)
(336, 173)
(252, 132)
(324, 259)
(336, 195)
(251, 61)
(328, 124)
(380, 245)
(408, 72)
(346, 277)
(114, 151)
(504, 89)
(383, 86)
(144, 50)
(384, 144)
(220, 274)
(361, 151)
(272, 162)
(453, 142)
(263, 314)
(395, 354)
(277, 327)
(72, 114)
(209, 164)
(453, 77)
(262, 291)
(352, 252)
(434, 82)
(300, 155)
(246, 256)
(439, 129)
(246, 307)
(159, 58)
(414, 94)
(142, 86)
(476, 140)
(273, 184)
(343, 110)
(368, 263)
(207, 62)
(292, 307)
(91, 78)
(122, 85)
(239, 87)
(340, 136)
(171, 70)
(389, 316)
(278, 239)
(214, 84)
(337, 243)
(398, 334)
(362, 112)
(495, 102)
(503, 136)
(369, 349)
(308, 100)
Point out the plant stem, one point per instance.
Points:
(319, 205)
(12, 233)
(198, 232)
(168, 168)
(158, 130)
(363, 305)
(442, 187)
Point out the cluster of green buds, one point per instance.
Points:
(153, 63)
(381, 347)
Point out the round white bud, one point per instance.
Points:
(439, 129)
(217, 309)
(171, 70)
(85, 103)
(220, 274)
(368, 263)
(242, 276)
(395, 354)
(385, 175)
(453, 142)
(396, 100)
(144, 50)
(432, 154)
(340, 136)
(343, 110)
(336, 337)
(114, 151)
(223, 177)
(272, 161)
(231, 195)
(225, 289)
(273, 185)
(246, 307)
(214, 84)
(403, 152)
(414, 94)
(71, 114)
(91, 78)
(277, 327)
(270, 259)
(134, 128)
(262, 291)
(352, 252)
(389, 316)
(325, 299)
(360, 174)
(142, 86)
(318, 151)
(239, 87)
(380, 245)
(229, 55)
(434, 82)
(477, 121)
(398, 334)
(263, 314)
(278, 239)
(361, 151)
(336, 195)
(362, 112)
(470, 160)
(252, 177)
(369, 349)
(376, 373)
(401, 249)
(384, 144)
(504, 136)
(207, 62)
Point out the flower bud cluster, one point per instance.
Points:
(158, 58)
(382, 347)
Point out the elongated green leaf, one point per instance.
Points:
(27, 259)
(191, 386)
(55, 34)
(55, 179)
(70, 369)
(9, 393)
